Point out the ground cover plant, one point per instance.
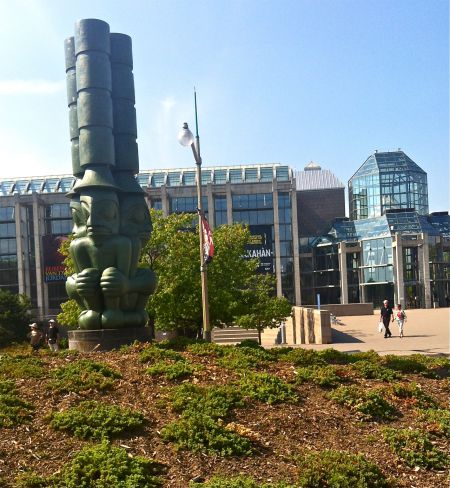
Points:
(438, 420)
(102, 466)
(13, 409)
(328, 376)
(94, 420)
(374, 371)
(335, 469)
(84, 375)
(266, 388)
(172, 371)
(221, 426)
(367, 404)
(20, 366)
(416, 448)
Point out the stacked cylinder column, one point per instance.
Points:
(94, 103)
(124, 112)
(71, 83)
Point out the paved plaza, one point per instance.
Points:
(426, 331)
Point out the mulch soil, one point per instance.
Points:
(280, 432)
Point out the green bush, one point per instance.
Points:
(414, 393)
(439, 418)
(244, 358)
(280, 352)
(251, 343)
(30, 480)
(335, 469)
(326, 376)
(215, 401)
(266, 388)
(178, 343)
(204, 349)
(172, 371)
(13, 410)
(415, 448)
(93, 420)
(369, 405)
(154, 354)
(332, 356)
(374, 371)
(84, 375)
(201, 433)
(304, 357)
(21, 366)
(105, 466)
(238, 482)
(404, 364)
(371, 356)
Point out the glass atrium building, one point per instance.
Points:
(387, 180)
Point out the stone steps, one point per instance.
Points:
(233, 335)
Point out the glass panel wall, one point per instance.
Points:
(9, 279)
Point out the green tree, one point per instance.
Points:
(14, 317)
(70, 309)
(236, 290)
(261, 308)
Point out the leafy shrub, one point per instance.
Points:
(105, 466)
(204, 349)
(251, 343)
(21, 366)
(13, 410)
(439, 418)
(404, 364)
(280, 352)
(371, 356)
(333, 356)
(154, 354)
(84, 375)
(201, 433)
(304, 357)
(172, 371)
(415, 448)
(244, 358)
(326, 376)
(178, 343)
(436, 366)
(266, 388)
(92, 420)
(30, 480)
(374, 371)
(238, 482)
(215, 402)
(335, 469)
(369, 405)
(414, 393)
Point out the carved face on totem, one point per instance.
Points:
(78, 217)
(100, 209)
(135, 217)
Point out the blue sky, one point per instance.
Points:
(277, 81)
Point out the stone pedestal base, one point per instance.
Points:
(106, 339)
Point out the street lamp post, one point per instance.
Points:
(186, 138)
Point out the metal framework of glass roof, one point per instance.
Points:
(258, 173)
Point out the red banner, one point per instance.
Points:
(208, 244)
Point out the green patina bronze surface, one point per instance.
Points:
(110, 216)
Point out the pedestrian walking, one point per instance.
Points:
(52, 335)
(35, 336)
(400, 316)
(386, 316)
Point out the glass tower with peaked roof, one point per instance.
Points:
(387, 181)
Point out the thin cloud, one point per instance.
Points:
(30, 87)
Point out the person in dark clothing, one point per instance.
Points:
(386, 316)
(52, 335)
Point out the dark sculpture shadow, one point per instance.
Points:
(343, 338)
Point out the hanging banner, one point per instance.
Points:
(260, 247)
(208, 244)
(53, 261)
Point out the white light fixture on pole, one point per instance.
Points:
(186, 138)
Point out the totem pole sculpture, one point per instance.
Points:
(110, 215)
